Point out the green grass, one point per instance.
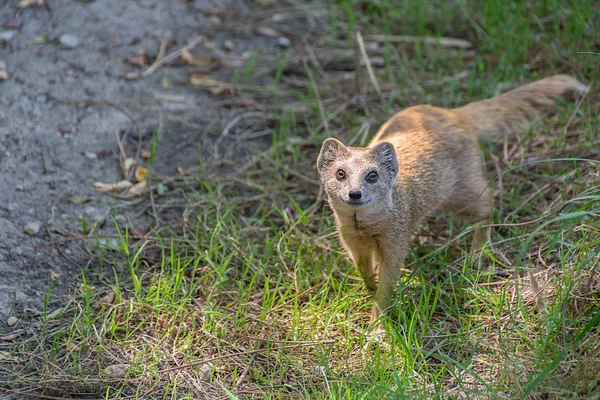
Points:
(252, 297)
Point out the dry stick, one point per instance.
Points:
(246, 369)
(149, 177)
(206, 360)
(162, 49)
(159, 63)
(442, 41)
(576, 108)
(230, 126)
(317, 95)
(500, 186)
(363, 51)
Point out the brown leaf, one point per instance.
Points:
(199, 60)
(31, 3)
(12, 24)
(267, 32)
(141, 60)
(110, 187)
(3, 72)
(131, 76)
(72, 346)
(146, 154)
(80, 199)
(206, 82)
(106, 300)
(116, 371)
(137, 189)
(140, 174)
(12, 336)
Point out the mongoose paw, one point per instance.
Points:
(371, 284)
(377, 337)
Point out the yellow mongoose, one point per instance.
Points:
(421, 160)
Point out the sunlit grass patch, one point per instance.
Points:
(247, 294)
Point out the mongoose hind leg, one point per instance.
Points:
(473, 204)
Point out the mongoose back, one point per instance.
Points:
(421, 160)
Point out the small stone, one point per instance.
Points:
(32, 228)
(69, 41)
(12, 321)
(90, 155)
(116, 370)
(277, 18)
(284, 42)
(210, 46)
(6, 36)
(267, 32)
(228, 45)
(41, 98)
(207, 370)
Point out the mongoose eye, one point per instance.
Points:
(372, 177)
(340, 175)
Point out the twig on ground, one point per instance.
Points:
(577, 106)
(160, 62)
(361, 46)
(317, 96)
(442, 41)
(230, 126)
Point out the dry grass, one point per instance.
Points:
(241, 291)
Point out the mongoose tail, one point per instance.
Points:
(512, 112)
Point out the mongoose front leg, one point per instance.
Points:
(362, 256)
(390, 268)
(480, 235)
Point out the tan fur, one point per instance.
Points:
(427, 159)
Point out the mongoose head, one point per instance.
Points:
(357, 178)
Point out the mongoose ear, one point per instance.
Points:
(385, 154)
(330, 150)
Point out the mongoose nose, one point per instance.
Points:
(355, 194)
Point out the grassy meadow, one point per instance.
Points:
(250, 295)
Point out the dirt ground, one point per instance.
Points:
(59, 111)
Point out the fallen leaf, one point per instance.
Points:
(141, 60)
(138, 188)
(267, 32)
(127, 165)
(3, 72)
(140, 174)
(12, 24)
(199, 60)
(116, 370)
(423, 240)
(6, 356)
(146, 154)
(40, 39)
(215, 87)
(80, 199)
(31, 3)
(54, 276)
(210, 46)
(130, 76)
(228, 45)
(72, 346)
(108, 299)
(12, 336)
(110, 187)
